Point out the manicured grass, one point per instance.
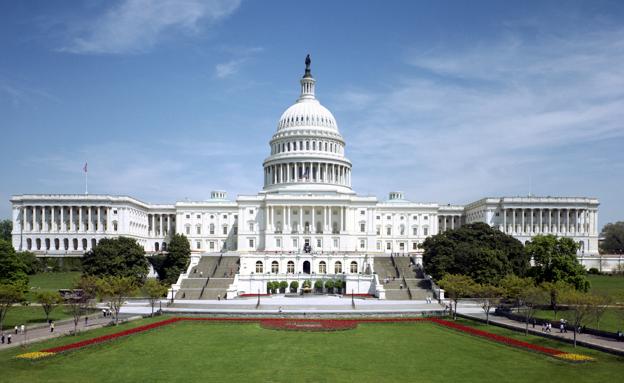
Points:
(202, 351)
(612, 320)
(612, 285)
(18, 315)
(50, 281)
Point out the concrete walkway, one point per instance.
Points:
(41, 331)
(586, 340)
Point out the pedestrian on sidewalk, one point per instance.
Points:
(86, 321)
(16, 329)
(22, 329)
(51, 326)
(218, 297)
(9, 339)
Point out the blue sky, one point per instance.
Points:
(447, 101)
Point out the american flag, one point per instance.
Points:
(85, 167)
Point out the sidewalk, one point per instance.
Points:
(586, 340)
(39, 332)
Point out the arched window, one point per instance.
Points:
(274, 267)
(354, 267)
(75, 241)
(164, 246)
(402, 229)
(29, 244)
(84, 244)
(322, 267)
(56, 244)
(290, 267)
(306, 227)
(156, 246)
(259, 268)
(38, 243)
(93, 243)
(338, 267)
(66, 244)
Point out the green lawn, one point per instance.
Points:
(50, 282)
(389, 352)
(612, 320)
(611, 285)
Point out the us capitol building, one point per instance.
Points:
(306, 221)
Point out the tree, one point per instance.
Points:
(117, 290)
(283, 285)
(601, 305)
(339, 284)
(581, 305)
(78, 301)
(10, 294)
(12, 269)
(294, 285)
(329, 285)
(555, 289)
(555, 260)
(176, 260)
(457, 286)
(6, 227)
(318, 286)
(477, 250)
(122, 257)
(48, 301)
(154, 291)
(490, 296)
(532, 297)
(515, 286)
(32, 264)
(613, 234)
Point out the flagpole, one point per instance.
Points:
(87, 182)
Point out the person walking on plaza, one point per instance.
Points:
(86, 321)
(16, 329)
(22, 329)
(51, 326)
(9, 339)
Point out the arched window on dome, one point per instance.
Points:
(307, 145)
(326, 146)
(288, 147)
(294, 146)
(313, 145)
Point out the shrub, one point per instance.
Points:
(329, 285)
(283, 285)
(307, 284)
(338, 285)
(593, 271)
(294, 285)
(318, 286)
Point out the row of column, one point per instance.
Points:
(448, 222)
(287, 226)
(66, 218)
(317, 172)
(161, 225)
(554, 221)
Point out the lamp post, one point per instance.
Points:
(352, 300)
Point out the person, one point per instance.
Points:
(544, 327)
(51, 326)
(22, 329)
(2, 339)
(201, 274)
(16, 329)
(218, 297)
(103, 313)
(9, 339)
(401, 286)
(533, 322)
(86, 321)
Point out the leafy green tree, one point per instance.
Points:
(514, 286)
(154, 291)
(48, 301)
(613, 234)
(555, 290)
(117, 289)
(329, 285)
(339, 284)
(318, 286)
(32, 264)
(456, 287)
(555, 260)
(581, 305)
(12, 269)
(283, 285)
(490, 296)
(176, 260)
(477, 250)
(532, 297)
(121, 256)
(10, 294)
(6, 226)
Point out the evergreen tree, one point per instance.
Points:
(122, 257)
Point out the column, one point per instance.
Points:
(549, 221)
(44, 222)
(99, 219)
(71, 219)
(300, 219)
(513, 221)
(505, 220)
(90, 224)
(312, 224)
(108, 219)
(168, 224)
(523, 230)
(531, 221)
(541, 222)
(160, 218)
(558, 220)
(80, 218)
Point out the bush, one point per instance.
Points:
(318, 286)
(294, 285)
(283, 285)
(307, 284)
(329, 285)
(593, 271)
(338, 285)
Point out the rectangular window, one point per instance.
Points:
(198, 243)
(415, 231)
(425, 231)
(415, 246)
(224, 230)
(188, 216)
(198, 230)
(115, 211)
(250, 211)
(114, 226)
(378, 245)
(212, 245)
(278, 242)
(336, 243)
(362, 244)
(295, 243)
(388, 246)
(362, 227)
(389, 231)
(251, 243)
(198, 216)
(362, 212)
(188, 230)
(224, 216)
(319, 243)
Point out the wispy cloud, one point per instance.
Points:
(19, 95)
(233, 66)
(134, 26)
(480, 121)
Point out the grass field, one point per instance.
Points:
(381, 352)
(611, 285)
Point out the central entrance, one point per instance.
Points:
(306, 267)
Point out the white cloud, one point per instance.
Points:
(482, 121)
(133, 26)
(227, 69)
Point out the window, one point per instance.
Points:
(259, 268)
(115, 211)
(198, 229)
(225, 230)
(198, 216)
(354, 267)
(319, 243)
(322, 268)
(224, 216)
(336, 243)
(415, 231)
(402, 246)
(212, 245)
(362, 212)
(251, 211)
(211, 216)
(426, 217)
(362, 227)
(295, 243)
(362, 244)
(402, 230)
(388, 217)
(188, 216)
(114, 226)
(338, 267)
(251, 243)
(415, 246)
(290, 267)
(388, 246)
(212, 228)
(251, 226)
(274, 267)
(378, 245)
(389, 230)
(425, 231)
(378, 230)
(188, 230)
(378, 217)
(278, 242)
(198, 243)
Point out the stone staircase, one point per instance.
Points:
(210, 278)
(404, 283)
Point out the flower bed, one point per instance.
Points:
(315, 325)
(308, 324)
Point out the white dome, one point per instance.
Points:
(307, 113)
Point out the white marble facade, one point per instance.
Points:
(306, 200)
